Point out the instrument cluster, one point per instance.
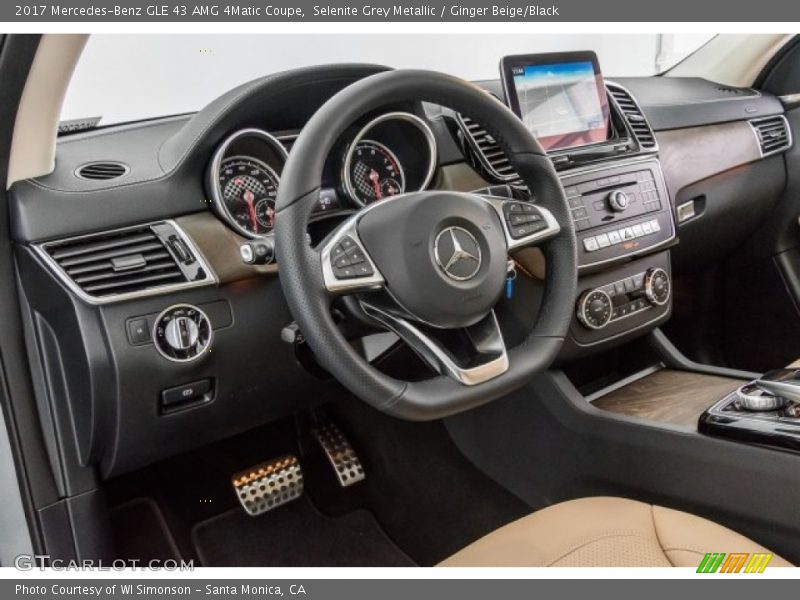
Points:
(390, 154)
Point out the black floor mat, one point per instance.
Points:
(295, 535)
(140, 532)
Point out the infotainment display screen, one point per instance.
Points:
(560, 97)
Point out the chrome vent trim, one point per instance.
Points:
(488, 153)
(773, 134)
(634, 116)
(128, 263)
(102, 170)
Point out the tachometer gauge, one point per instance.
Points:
(372, 172)
(248, 188)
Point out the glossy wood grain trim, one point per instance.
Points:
(220, 247)
(668, 396)
(697, 153)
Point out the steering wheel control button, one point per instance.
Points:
(182, 333)
(457, 253)
(595, 309)
(523, 219)
(348, 260)
(657, 286)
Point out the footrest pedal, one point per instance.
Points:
(269, 485)
(340, 454)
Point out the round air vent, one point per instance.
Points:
(102, 170)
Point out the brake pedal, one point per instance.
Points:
(269, 485)
(340, 453)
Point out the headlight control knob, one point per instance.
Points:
(182, 333)
(618, 201)
(595, 309)
(657, 286)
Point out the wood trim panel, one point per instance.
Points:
(220, 247)
(697, 153)
(668, 396)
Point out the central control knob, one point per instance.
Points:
(182, 333)
(618, 201)
(595, 309)
(657, 286)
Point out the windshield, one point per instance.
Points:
(122, 78)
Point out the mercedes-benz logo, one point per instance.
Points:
(457, 253)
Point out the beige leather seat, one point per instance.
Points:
(604, 532)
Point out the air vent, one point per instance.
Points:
(102, 170)
(127, 263)
(634, 116)
(489, 154)
(773, 134)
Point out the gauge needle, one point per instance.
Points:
(248, 197)
(376, 184)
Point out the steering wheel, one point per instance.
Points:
(429, 266)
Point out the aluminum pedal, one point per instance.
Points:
(340, 453)
(269, 485)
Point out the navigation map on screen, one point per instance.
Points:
(560, 104)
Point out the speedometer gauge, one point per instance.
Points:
(248, 188)
(373, 172)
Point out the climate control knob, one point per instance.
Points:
(618, 201)
(182, 333)
(657, 287)
(595, 309)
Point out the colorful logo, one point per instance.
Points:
(736, 562)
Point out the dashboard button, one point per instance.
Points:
(188, 392)
(614, 237)
(138, 331)
(590, 244)
(603, 241)
(637, 230)
(580, 213)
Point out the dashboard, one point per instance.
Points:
(392, 153)
(113, 268)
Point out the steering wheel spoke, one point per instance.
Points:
(347, 267)
(524, 223)
(469, 355)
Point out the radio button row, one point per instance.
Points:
(611, 238)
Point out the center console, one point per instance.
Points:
(623, 221)
(619, 211)
(607, 158)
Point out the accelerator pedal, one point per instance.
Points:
(340, 453)
(269, 485)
